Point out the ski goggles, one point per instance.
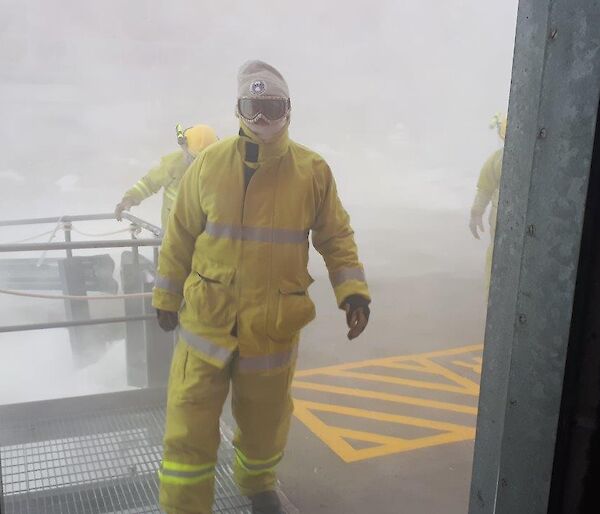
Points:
(272, 109)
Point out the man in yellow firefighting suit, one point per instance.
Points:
(233, 274)
(167, 175)
(488, 191)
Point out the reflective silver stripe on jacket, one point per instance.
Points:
(207, 347)
(168, 284)
(142, 188)
(267, 362)
(344, 274)
(258, 234)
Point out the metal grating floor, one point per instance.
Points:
(97, 463)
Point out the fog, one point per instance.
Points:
(397, 96)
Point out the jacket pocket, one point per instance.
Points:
(209, 294)
(294, 309)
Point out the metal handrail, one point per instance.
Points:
(69, 324)
(56, 219)
(157, 231)
(69, 246)
(143, 224)
(80, 245)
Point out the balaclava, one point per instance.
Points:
(258, 79)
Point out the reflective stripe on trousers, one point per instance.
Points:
(257, 467)
(184, 474)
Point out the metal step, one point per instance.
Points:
(95, 460)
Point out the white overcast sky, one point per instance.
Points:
(397, 95)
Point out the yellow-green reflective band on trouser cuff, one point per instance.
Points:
(257, 467)
(344, 274)
(185, 474)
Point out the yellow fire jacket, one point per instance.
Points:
(234, 258)
(166, 175)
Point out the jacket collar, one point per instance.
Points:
(250, 145)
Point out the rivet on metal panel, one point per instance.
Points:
(522, 319)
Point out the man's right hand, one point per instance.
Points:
(167, 320)
(476, 224)
(124, 205)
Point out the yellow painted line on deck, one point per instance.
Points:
(387, 379)
(429, 366)
(474, 366)
(378, 395)
(374, 362)
(469, 386)
(338, 437)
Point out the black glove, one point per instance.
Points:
(354, 302)
(167, 320)
(357, 314)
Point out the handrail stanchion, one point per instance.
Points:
(135, 250)
(67, 227)
(72, 275)
(160, 344)
(155, 257)
(132, 280)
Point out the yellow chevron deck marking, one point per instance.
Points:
(447, 365)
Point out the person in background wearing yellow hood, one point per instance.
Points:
(488, 191)
(167, 175)
(233, 274)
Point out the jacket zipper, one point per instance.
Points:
(246, 187)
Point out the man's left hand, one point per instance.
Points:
(167, 320)
(357, 315)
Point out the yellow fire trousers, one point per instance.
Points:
(262, 407)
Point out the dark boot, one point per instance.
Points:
(266, 502)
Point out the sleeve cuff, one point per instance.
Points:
(166, 301)
(350, 288)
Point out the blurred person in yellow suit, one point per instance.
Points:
(233, 275)
(167, 175)
(488, 192)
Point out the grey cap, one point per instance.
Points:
(257, 78)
